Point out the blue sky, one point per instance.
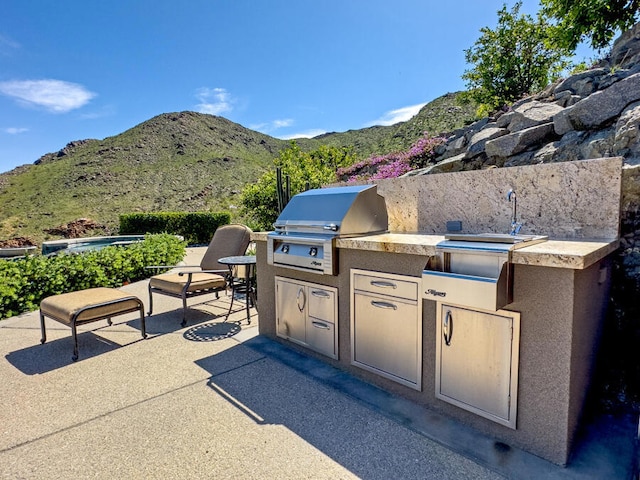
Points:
(76, 69)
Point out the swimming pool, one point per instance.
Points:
(78, 245)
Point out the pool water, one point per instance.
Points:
(79, 245)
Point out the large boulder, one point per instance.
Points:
(626, 49)
(599, 107)
(479, 140)
(627, 136)
(517, 142)
(583, 83)
(531, 114)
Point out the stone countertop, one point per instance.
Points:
(574, 254)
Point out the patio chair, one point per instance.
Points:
(210, 276)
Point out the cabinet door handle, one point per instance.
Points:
(388, 305)
(304, 299)
(321, 325)
(447, 328)
(320, 293)
(383, 284)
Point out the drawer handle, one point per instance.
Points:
(321, 325)
(383, 284)
(447, 328)
(320, 293)
(302, 296)
(387, 305)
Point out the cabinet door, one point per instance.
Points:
(385, 332)
(291, 304)
(477, 361)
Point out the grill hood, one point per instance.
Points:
(342, 211)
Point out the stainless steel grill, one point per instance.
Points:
(306, 230)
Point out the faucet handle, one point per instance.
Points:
(515, 228)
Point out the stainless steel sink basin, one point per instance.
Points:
(516, 240)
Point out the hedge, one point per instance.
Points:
(25, 282)
(195, 227)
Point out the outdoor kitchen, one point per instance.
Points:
(480, 295)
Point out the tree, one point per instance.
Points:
(260, 200)
(513, 60)
(596, 20)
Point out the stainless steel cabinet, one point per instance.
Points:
(386, 326)
(477, 361)
(306, 314)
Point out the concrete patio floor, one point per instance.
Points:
(215, 400)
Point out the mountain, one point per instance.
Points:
(176, 161)
(442, 115)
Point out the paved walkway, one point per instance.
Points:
(214, 400)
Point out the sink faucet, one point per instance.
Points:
(515, 226)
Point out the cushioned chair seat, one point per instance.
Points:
(173, 282)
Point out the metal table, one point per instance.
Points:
(246, 285)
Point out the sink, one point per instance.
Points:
(517, 240)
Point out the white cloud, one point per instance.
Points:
(15, 130)
(395, 116)
(306, 134)
(286, 122)
(268, 127)
(7, 45)
(57, 96)
(214, 101)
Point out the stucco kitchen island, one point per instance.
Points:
(560, 291)
(538, 350)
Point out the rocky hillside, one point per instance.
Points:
(588, 115)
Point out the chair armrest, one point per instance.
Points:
(219, 272)
(157, 267)
(189, 272)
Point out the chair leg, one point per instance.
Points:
(233, 291)
(143, 327)
(230, 304)
(184, 311)
(74, 333)
(42, 329)
(150, 301)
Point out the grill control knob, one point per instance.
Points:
(313, 251)
(285, 249)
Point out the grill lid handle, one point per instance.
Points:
(331, 226)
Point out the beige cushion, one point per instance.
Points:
(174, 283)
(64, 306)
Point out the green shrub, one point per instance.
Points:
(24, 283)
(195, 227)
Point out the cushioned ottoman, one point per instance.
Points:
(85, 306)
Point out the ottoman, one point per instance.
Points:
(85, 306)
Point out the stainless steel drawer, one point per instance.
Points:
(386, 284)
(321, 337)
(322, 304)
(468, 290)
(386, 338)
